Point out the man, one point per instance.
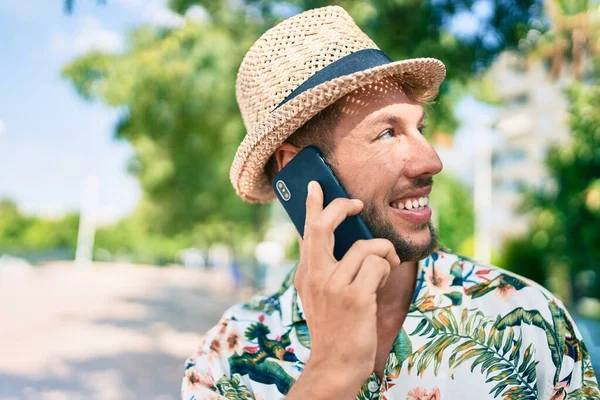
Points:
(396, 317)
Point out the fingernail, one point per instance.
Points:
(311, 187)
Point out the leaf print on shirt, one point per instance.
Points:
(233, 388)
(505, 285)
(401, 350)
(520, 316)
(496, 351)
(590, 389)
(261, 363)
(270, 304)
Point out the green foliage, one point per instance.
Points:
(176, 90)
(21, 233)
(566, 208)
(566, 211)
(521, 256)
(454, 208)
(180, 115)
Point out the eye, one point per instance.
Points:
(386, 133)
(422, 128)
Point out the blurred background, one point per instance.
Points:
(121, 238)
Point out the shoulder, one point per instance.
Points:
(237, 331)
(521, 318)
(514, 301)
(504, 295)
(213, 370)
(489, 283)
(229, 335)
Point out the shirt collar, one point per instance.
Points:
(439, 284)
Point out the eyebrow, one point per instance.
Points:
(390, 117)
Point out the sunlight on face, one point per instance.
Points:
(383, 159)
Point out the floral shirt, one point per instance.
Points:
(472, 332)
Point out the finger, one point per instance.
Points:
(372, 274)
(314, 256)
(314, 205)
(337, 211)
(349, 266)
(322, 229)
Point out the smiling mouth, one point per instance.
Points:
(417, 203)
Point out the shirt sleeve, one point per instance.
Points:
(577, 379)
(206, 374)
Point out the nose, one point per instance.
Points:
(423, 161)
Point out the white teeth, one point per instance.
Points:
(417, 204)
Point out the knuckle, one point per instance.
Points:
(361, 245)
(332, 289)
(361, 300)
(373, 260)
(348, 299)
(318, 227)
(387, 243)
(338, 202)
(298, 278)
(384, 264)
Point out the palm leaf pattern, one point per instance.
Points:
(590, 388)
(477, 338)
(233, 388)
(533, 317)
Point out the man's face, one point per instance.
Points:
(382, 158)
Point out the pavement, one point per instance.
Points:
(103, 331)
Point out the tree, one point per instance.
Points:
(572, 34)
(24, 233)
(453, 205)
(180, 117)
(566, 211)
(176, 90)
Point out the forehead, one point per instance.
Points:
(368, 101)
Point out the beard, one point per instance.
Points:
(406, 249)
(382, 228)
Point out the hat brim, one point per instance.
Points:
(247, 171)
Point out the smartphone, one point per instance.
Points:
(291, 188)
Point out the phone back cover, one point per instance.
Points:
(306, 166)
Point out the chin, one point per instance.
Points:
(417, 235)
(412, 242)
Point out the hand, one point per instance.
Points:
(339, 298)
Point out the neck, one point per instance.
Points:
(396, 295)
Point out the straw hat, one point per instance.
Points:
(298, 68)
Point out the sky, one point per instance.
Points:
(51, 140)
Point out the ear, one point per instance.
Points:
(284, 154)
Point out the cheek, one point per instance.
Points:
(370, 176)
